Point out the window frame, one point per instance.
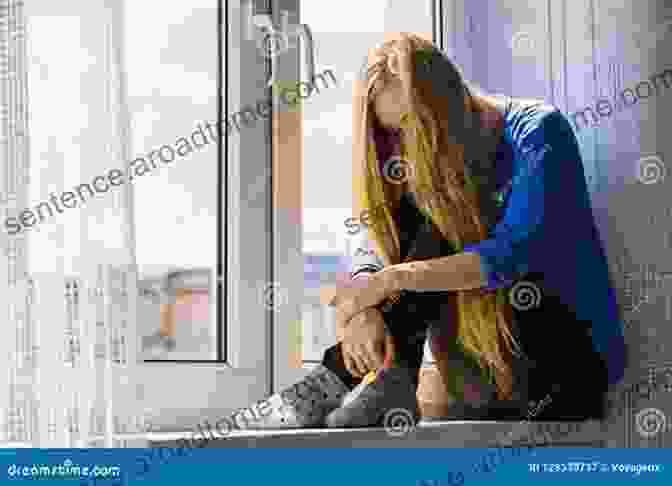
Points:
(210, 389)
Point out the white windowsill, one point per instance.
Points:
(428, 434)
(432, 434)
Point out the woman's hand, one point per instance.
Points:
(352, 297)
(364, 342)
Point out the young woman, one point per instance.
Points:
(486, 241)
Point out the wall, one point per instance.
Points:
(574, 54)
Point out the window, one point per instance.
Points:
(201, 249)
(172, 93)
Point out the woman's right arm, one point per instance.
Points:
(363, 260)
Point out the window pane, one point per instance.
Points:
(340, 45)
(172, 86)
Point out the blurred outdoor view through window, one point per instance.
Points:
(342, 38)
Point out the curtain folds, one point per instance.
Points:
(68, 279)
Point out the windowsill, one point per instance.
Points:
(428, 434)
(15, 445)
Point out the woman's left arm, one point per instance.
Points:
(503, 257)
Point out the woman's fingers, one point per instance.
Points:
(352, 362)
(366, 344)
(374, 354)
(360, 363)
(365, 356)
(350, 365)
(347, 358)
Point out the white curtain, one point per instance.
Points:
(68, 354)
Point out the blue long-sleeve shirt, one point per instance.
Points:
(546, 224)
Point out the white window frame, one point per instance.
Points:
(182, 395)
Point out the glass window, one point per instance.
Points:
(172, 66)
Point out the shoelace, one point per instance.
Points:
(367, 402)
(368, 379)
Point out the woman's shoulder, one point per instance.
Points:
(532, 124)
(525, 115)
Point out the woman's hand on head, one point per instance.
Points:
(364, 342)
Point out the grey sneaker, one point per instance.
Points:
(388, 398)
(302, 405)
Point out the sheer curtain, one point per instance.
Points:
(68, 353)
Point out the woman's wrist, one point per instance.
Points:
(452, 273)
(396, 278)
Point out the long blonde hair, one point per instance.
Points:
(437, 137)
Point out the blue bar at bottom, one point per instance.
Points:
(325, 467)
